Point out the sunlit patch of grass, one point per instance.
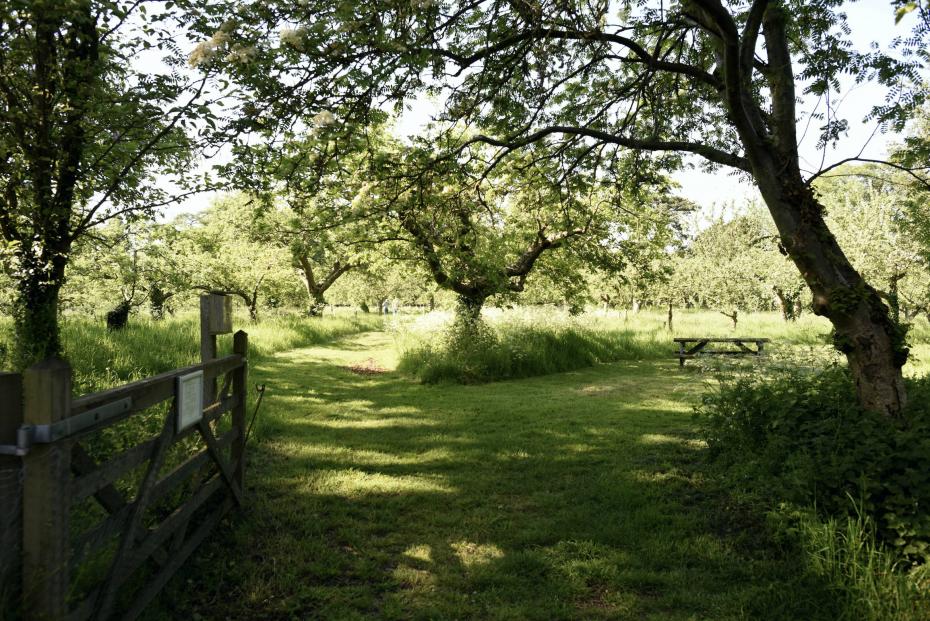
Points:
(352, 482)
(470, 554)
(420, 552)
(660, 438)
(378, 423)
(516, 500)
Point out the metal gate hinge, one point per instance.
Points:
(27, 435)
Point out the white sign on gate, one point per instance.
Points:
(189, 399)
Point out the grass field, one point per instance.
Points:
(577, 495)
(572, 496)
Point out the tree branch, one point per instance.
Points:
(921, 180)
(707, 152)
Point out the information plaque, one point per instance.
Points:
(189, 399)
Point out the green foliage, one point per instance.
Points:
(802, 438)
(83, 135)
(103, 359)
(845, 553)
(517, 348)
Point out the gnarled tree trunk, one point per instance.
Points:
(863, 330)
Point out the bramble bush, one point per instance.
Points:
(802, 438)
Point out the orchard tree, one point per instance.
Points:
(313, 201)
(226, 250)
(643, 249)
(724, 267)
(105, 272)
(707, 78)
(871, 212)
(125, 265)
(481, 232)
(95, 103)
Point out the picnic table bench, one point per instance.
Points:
(694, 346)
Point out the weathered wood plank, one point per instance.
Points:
(189, 467)
(11, 490)
(207, 434)
(118, 570)
(102, 476)
(46, 506)
(240, 388)
(150, 391)
(101, 533)
(169, 526)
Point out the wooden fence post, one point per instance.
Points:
(11, 492)
(46, 494)
(215, 318)
(240, 389)
(207, 347)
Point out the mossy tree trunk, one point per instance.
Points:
(468, 309)
(35, 311)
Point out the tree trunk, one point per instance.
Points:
(157, 300)
(118, 318)
(468, 309)
(36, 329)
(733, 316)
(253, 306)
(863, 329)
(785, 304)
(317, 303)
(893, 299)
(671, 318)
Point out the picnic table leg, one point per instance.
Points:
(681, 354)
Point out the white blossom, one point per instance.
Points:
(324, 119)
(293, 37)
(240, 54)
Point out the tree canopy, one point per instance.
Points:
(717, 80)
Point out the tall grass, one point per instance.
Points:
(102, 358)
(536, 341)
(844, 552)
(521, 344)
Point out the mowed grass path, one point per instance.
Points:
(571, 496)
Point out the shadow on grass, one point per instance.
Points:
(575, 496)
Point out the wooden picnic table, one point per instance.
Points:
(694, 346)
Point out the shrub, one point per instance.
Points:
(803, 438)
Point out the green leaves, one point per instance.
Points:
(903, 10)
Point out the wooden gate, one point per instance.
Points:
(119, 487)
